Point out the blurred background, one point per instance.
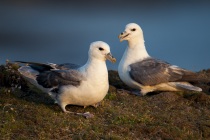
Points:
(61, 31)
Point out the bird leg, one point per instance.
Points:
(137, 93)
(87, 115)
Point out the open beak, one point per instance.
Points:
(110, 58)
(123, 35)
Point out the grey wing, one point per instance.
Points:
(40, 67)
(55, 78)
(152, 71)
(67, 66)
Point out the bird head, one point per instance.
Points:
(132, 31)
(101, 50)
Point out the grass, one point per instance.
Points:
(27, 113)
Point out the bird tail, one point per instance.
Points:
(28, 72)
(187, 86)
(30, 75)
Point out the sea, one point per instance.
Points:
(177, 32)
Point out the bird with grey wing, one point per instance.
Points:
(85, 85)
(140, 71)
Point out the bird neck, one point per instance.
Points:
(136, 42)
(136, 50)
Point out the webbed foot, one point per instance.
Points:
(87, 115)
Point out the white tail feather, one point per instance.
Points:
(187, 86)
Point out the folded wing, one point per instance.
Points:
(55, 78)
(152, 72)
(53, 75)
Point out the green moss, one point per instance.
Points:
(111, 96)
(29, 113)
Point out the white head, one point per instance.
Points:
(132, 32)
(101, 50)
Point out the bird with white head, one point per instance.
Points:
(71, 84)
(140, 71)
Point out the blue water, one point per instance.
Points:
(177, 32)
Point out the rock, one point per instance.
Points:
(11, 78)
(115, 81)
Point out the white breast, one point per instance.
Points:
(124, 68)
(91, 91)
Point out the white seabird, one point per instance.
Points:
(139, 70)
(71, 84)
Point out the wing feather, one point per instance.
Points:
(56, 78)
(153, 71)
(53, 75)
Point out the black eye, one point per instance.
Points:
(101, 49)
(133, 29)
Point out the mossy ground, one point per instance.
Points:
(27, 113)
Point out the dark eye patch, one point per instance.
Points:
(101, 49)
(133, 29)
